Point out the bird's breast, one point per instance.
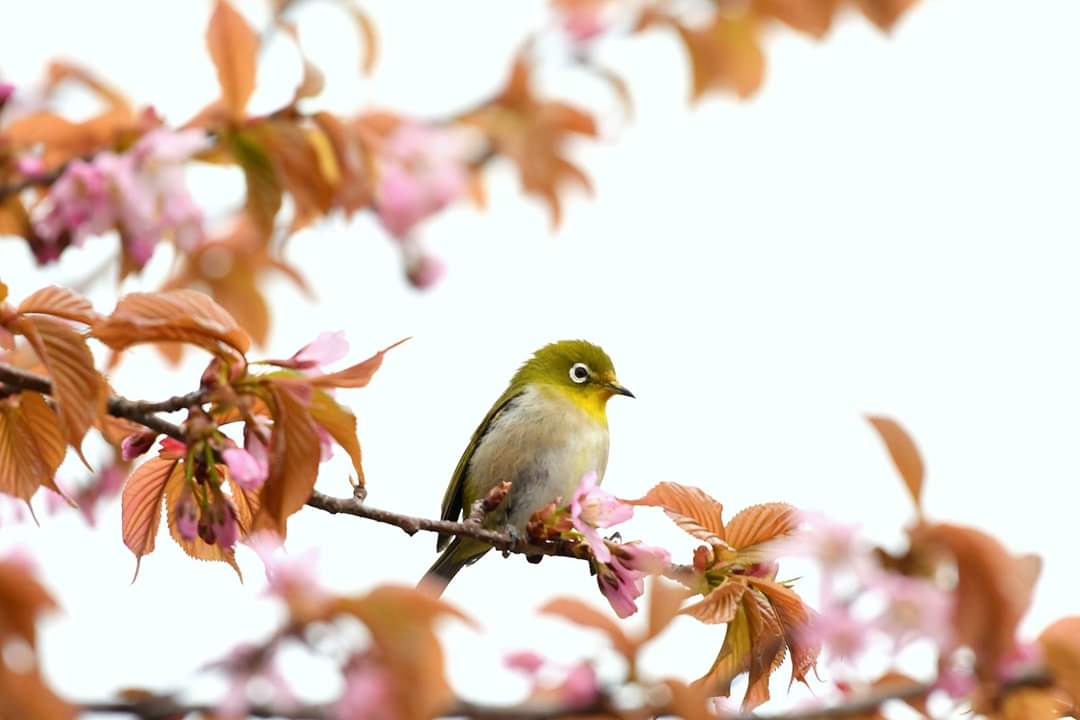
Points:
(544, 444)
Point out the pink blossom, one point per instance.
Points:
(286, 575)
(136, 444)
(622, 581)
(243, 672)
(423, 272)
(6, 91)
(957, 682)
(592, 508)
(245, 467)
(31, 166)
(105, 485)
(580, 688)
(224, 530)
(327, 348)
(915, 608)
(838, 631)
(584, 20)
(186, 517)
(525, 661)
(1022, 657)
(141, 193)
(422, 169)
(368, 693)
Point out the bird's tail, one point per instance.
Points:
(461, 552)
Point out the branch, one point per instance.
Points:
(160, 708)
(141, 412)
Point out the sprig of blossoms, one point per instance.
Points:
(141, 193)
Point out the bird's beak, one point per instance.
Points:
(619, 389)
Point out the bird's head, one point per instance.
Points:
(576, 368)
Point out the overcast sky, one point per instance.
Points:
(890, 226)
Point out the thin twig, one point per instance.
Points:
(159, 708)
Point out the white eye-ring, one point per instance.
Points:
(579, 372)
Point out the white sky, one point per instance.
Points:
(889, 227)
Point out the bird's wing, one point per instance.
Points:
(454, 499)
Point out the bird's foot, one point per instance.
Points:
(518, 539)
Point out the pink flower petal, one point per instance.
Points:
(245, 468)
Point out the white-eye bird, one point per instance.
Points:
(544, 434)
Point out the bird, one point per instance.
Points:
(544, 434)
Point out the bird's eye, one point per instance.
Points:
(579, 372)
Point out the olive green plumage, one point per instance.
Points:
(544, 432)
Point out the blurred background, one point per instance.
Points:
(889, 225)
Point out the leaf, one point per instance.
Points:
(294, 462)
(759, 524)
(369, 51)
(579, 613)
(692, 509)
(665, 599)
(401, 622)
(993, 589)
(59, 302)
(1061, 648)
(719, 606)
(733, 659)
(31, 446)
(1027, 703)
(767, 647)
(794, 617)
(77, 386)
(354, 189)
(341, 424)
(22, 600)
(813, 17)
(246, 503)
(234, 48)
(884, 13)
(181, 315)
(140, 505)
(689, 702)
(25, 696)
(904, 453)
(195, 547)
(264, 188)
(296, 165)
(354, 376)
(533, 133)
(725, 55)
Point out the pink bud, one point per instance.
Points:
(136, 444)
(525, 661)
(245, 469)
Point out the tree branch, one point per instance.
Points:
(159, 708)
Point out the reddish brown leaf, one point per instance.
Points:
(234, 48)
(794, 617)
(22, 600)
(759, 524)
(692, 509)
(665, 599)
(767, 647)
(904, 453)
(296, 164)
(25, 696)
(62, 140)
(993, 589)
(1032, 704)
(579, 613)
(141, 504)
(725, 55)
(294, 462)
(184, 316)
(3, 292)
(813, 17)
(195, 547)
(31, 447)
(78, 388)
(354, 189)
(884, 13)
(719, 606)
(732, 660)
(246, 503)
(369, 39)
(401, 621)
(341, 424)
(689, 702)
(355, 376)
(59, 302)
(1061, 647)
